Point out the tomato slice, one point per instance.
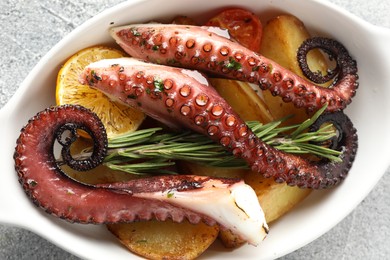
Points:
(244, 26)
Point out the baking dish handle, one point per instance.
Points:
(10, 191)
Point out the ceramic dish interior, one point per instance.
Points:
(312, 218)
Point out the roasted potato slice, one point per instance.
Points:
(275, 199)
(234, 92)
(282, 37)
(229, 239)
(165, 240)
(281, 40)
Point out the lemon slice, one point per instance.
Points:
(116, 117)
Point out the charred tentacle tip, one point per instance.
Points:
(346, 141)
(96, 131)
(344, 62)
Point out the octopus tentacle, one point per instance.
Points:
(202, 49)
(346, 140)
(232, 204)
(185, 97)
(335, 50)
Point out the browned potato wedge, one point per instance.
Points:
(230, 240)
(275, 199)
(234, 92)
(282, 37)
(165, 240)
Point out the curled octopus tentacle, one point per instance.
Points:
(345, 140)
(161, 197)
(185, 97)
(345, 65)
(202, 49)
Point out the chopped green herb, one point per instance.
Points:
(95, 76)
(159, 85)
(135, 32)
(32, 183)
(233, 64)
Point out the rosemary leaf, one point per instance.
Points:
(133, 138)
(143, 168)
(308, 122)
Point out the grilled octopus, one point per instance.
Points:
(209, 50)
(183, 98)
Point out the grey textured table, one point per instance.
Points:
(31, 28)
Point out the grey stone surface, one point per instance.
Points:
(31, 28)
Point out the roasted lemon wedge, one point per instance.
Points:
(117, 118)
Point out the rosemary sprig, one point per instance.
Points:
(153, 151)
(142, 168)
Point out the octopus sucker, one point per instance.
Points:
(221, 56)
(203, 110)
(228, 202)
